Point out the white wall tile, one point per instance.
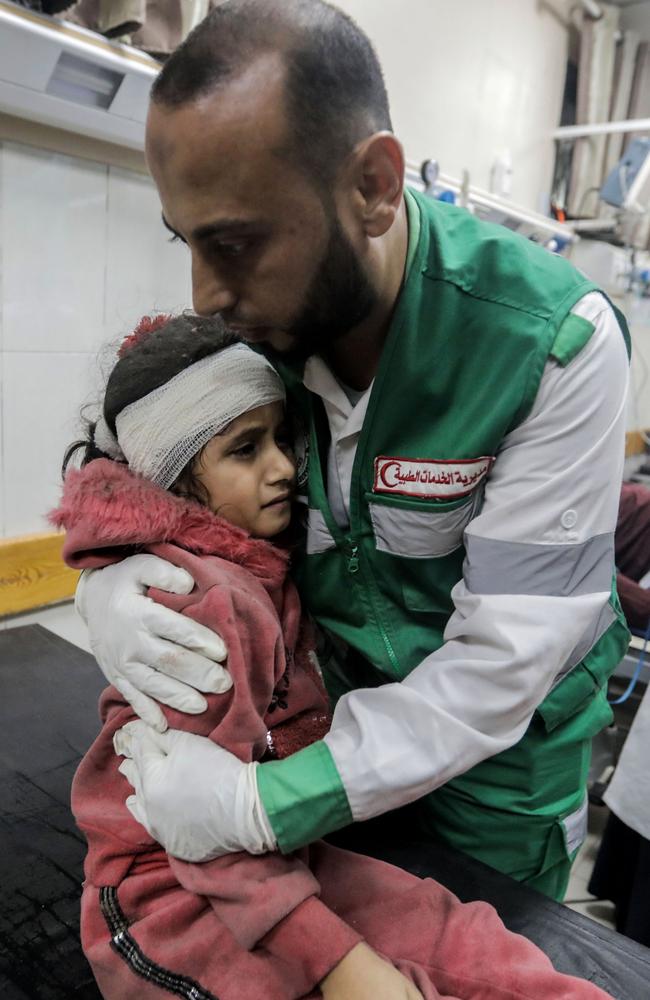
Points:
(52, 230)
(84, 255)
(42, 397)
(145, 273)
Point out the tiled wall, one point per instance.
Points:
(83, 254)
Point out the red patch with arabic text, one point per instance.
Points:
(429, 478)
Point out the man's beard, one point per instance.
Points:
(339, 298)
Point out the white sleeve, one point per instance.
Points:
(535, 585)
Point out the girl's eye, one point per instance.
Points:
(284, 441)
(245, 450)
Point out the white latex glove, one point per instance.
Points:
(146, 650)
(195, 798)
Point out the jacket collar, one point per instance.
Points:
(106, 506)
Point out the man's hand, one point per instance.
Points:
(363, 975)
(196, 799)
(146, 650)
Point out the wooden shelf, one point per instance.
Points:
(32, 573)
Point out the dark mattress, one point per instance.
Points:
(48, 717)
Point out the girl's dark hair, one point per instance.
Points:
(150, 358)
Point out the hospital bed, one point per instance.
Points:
(48, 717)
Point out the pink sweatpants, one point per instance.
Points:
(150, 939)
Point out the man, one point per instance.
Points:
(621, 868)
(462, 397)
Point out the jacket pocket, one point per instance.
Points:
(419, 529)
(587, 679)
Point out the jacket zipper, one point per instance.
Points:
(354, 565)
(353, 559)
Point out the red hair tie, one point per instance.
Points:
(146, 326)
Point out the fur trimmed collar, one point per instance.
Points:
(105, 506)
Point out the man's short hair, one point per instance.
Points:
(336, 94)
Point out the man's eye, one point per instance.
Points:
(232, 249)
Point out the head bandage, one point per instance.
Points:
(160, 433)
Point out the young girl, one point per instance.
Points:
(191, 460)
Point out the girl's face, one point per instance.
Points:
(249, 471)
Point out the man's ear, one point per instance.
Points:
(377, 174)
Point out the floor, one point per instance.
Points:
(577, 897)
(64, 621)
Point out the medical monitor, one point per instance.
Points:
(628, 185)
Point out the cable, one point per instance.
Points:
(637, 671)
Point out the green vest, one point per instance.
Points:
(479, 316)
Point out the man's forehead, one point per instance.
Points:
(242, 113)
(217, 197)
(231, 172)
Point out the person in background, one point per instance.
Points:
(622, 868)
(632, 554)
(191, 460)
(460, 404)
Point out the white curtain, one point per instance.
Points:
(595, 90)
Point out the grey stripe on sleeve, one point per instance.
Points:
(589, 639)
(499, 567)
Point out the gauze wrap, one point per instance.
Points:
(159, 434)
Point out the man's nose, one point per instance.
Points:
(211, 292)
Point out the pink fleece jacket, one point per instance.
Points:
(243, 927)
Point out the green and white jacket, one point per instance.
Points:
(480, 478)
